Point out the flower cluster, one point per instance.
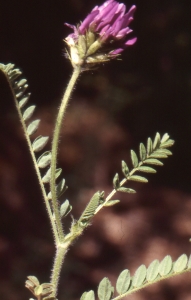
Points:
(102, 36)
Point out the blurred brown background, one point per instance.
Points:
(112, 110)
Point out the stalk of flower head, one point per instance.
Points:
(102, 36)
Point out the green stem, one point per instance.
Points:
(59, 258)
(55, 141)
(47, 203)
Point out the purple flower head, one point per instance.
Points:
(102, 35)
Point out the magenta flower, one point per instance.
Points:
(102, 35)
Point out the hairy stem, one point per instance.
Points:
(35, 164)
(55, 141)
(59, 258)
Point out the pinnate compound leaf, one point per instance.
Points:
(149, 146)
(139, 276)
(153, 161)
(111, 202)
(65, 208)
(138, 178)
(105, 289)
(142, 151)
(157, 141)
(125, 168)
(146, 169)
(126, 190)
(44, 160)
(33, 126)
(24, 101)
(28, 112)
(180, 263)
(153, 270)
(116, 181)
(123, 282)
(134, 159)
(39, 143)
(165, 266)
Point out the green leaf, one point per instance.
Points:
(24, 101)
(61, 187)
(33, 126)
(39, 143)
(142, 151)
(149, 146)
(65, 208)
(189, 263)
(116, 181)
(180, 264)
(153, 161)
(111, 202)
(164, 151)
(21, 82)
(164, 138)
(126, 190)
(83, 296)
(157, 154)
(153, 270)
(105, 289)
(123, 282)
(167, 144)
(146, 169)
(134, 159)
(46, 178)
(44, 160)
(28, 112)
(157, 141)
(89, 296)
(139, 276)
(165, 266)
(90, 208)
(125, 168)
(138, 178)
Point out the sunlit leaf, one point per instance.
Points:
(44, 160)
(28, 112)
(134, 159)
(142, 151)
(33, 126)
(65, 208)
(146, 169)
(116, 181)
(153, 271)
(139, 276)
(126, 190)
(111, 202)
(123, 282)
(165, 266)
(157, 141)
(180, 264)
(138, 178)
(153, 161)
(105, 289)
(39, 143)
(149, 146)
(125, 168)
